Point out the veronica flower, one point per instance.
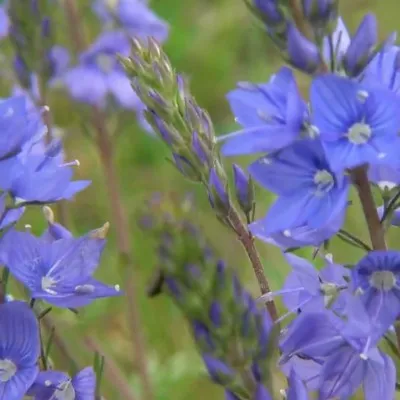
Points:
(40, 178)
(17, 126)
(55, 385)
(59, 272)
(376, 277)
(346, 351)
(310, 193)
(8, 216)
(307, 289)
(385, 176)
(19, 349)
(383, 70)
(272, 115)
(134, 16)
(300, 236)
(99, 74)
(356, 125)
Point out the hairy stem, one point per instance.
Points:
(375, 228)
(247, 241)
(106, 152)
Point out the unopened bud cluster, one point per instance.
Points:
(232, 334)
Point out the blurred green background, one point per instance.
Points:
(215, 43)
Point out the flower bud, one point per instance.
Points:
(322, 14)
(270, 12)
(218, 370)
(361, 48)
(186, 168)
(218, 192)
(303, 54)
(244, 188)
(200, 149)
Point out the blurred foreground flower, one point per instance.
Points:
(134, 16)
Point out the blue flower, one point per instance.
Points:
(296, 389)
(340, 41)
(377, 277)
(362, 46)
(356, 125)
(385, 176)
(307, 289)
(17, 126)
(51, 385)
(346, 351)
(300, 236)
(36, 177)
(272, 115)
(309, 192)
(99, 74)
(59, 272)
(134, 16)
(19, 349)
(383, 70)
(4, 22)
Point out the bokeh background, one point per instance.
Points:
(216, 43)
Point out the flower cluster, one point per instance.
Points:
(310, 153)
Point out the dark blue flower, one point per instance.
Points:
(309, 192)
(99, 74)
(59, 272)
(51, 385)
(19, 349)
(262, 393)
(134, 16)
(377, 277)
(272, 115)
(356, 125)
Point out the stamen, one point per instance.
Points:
(74, 163)
(364, 354)
(362, 95)
(283, 393)
(359, 133)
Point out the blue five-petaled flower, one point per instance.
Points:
(309, 191)
(58, 271)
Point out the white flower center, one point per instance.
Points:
(383, 280)
(7, 370)
(105, 62)
(324, 181)
(359, 133)
(47, 284)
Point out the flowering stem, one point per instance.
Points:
(247, 241)
(106, 152)
(62, 211)
(375, 228)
